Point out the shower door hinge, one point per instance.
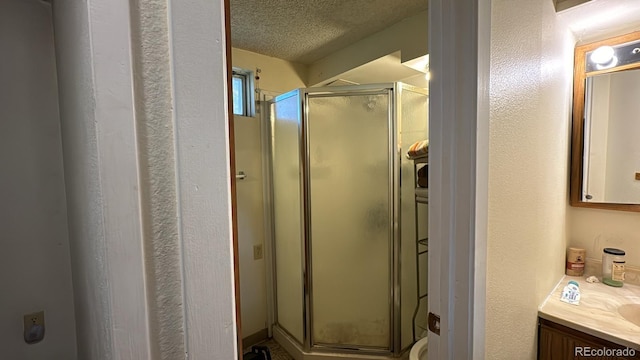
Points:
(434, 323)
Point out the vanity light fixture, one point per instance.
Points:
(608, 65)
(604, 57)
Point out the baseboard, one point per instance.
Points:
(253, 339)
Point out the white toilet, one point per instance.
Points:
(419, 350)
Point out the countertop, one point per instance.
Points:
(597, 313)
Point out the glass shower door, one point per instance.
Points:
(287, 213)
(350, 217)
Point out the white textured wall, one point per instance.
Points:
(251, 227)
(594, 229)
(276, 76)
(531, 86)
(156, 155)
(100, 164)
(35, 266)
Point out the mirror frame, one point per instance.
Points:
(577, 133)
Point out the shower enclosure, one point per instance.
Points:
(343, 215)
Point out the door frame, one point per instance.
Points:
(200, 57)
(459, 113)
(459, 42)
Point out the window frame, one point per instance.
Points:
(248, 91)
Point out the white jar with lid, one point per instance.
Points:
(613, 266)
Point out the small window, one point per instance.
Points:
(242, 92)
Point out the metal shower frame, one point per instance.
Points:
(394, 91)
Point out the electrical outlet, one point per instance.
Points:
(34, 327)
(257, 252)
(638, 176)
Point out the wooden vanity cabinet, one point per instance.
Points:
(558, 342)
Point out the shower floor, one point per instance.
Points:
(277, 352)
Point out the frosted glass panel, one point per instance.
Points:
(350, 216)
(414, 126)
(287, 214)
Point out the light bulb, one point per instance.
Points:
(613, 62)
(602, 55)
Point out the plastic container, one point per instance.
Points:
(571, 293)
(613, 266)
(575, 261)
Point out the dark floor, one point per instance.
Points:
(277, 352)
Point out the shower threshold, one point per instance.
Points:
(293, 348)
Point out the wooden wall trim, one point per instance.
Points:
(232, 162)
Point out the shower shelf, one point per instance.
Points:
(420, 160)
(422, 248)
(422, 195)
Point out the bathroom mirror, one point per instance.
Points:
(605, 150)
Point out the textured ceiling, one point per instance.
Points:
(305, 31)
